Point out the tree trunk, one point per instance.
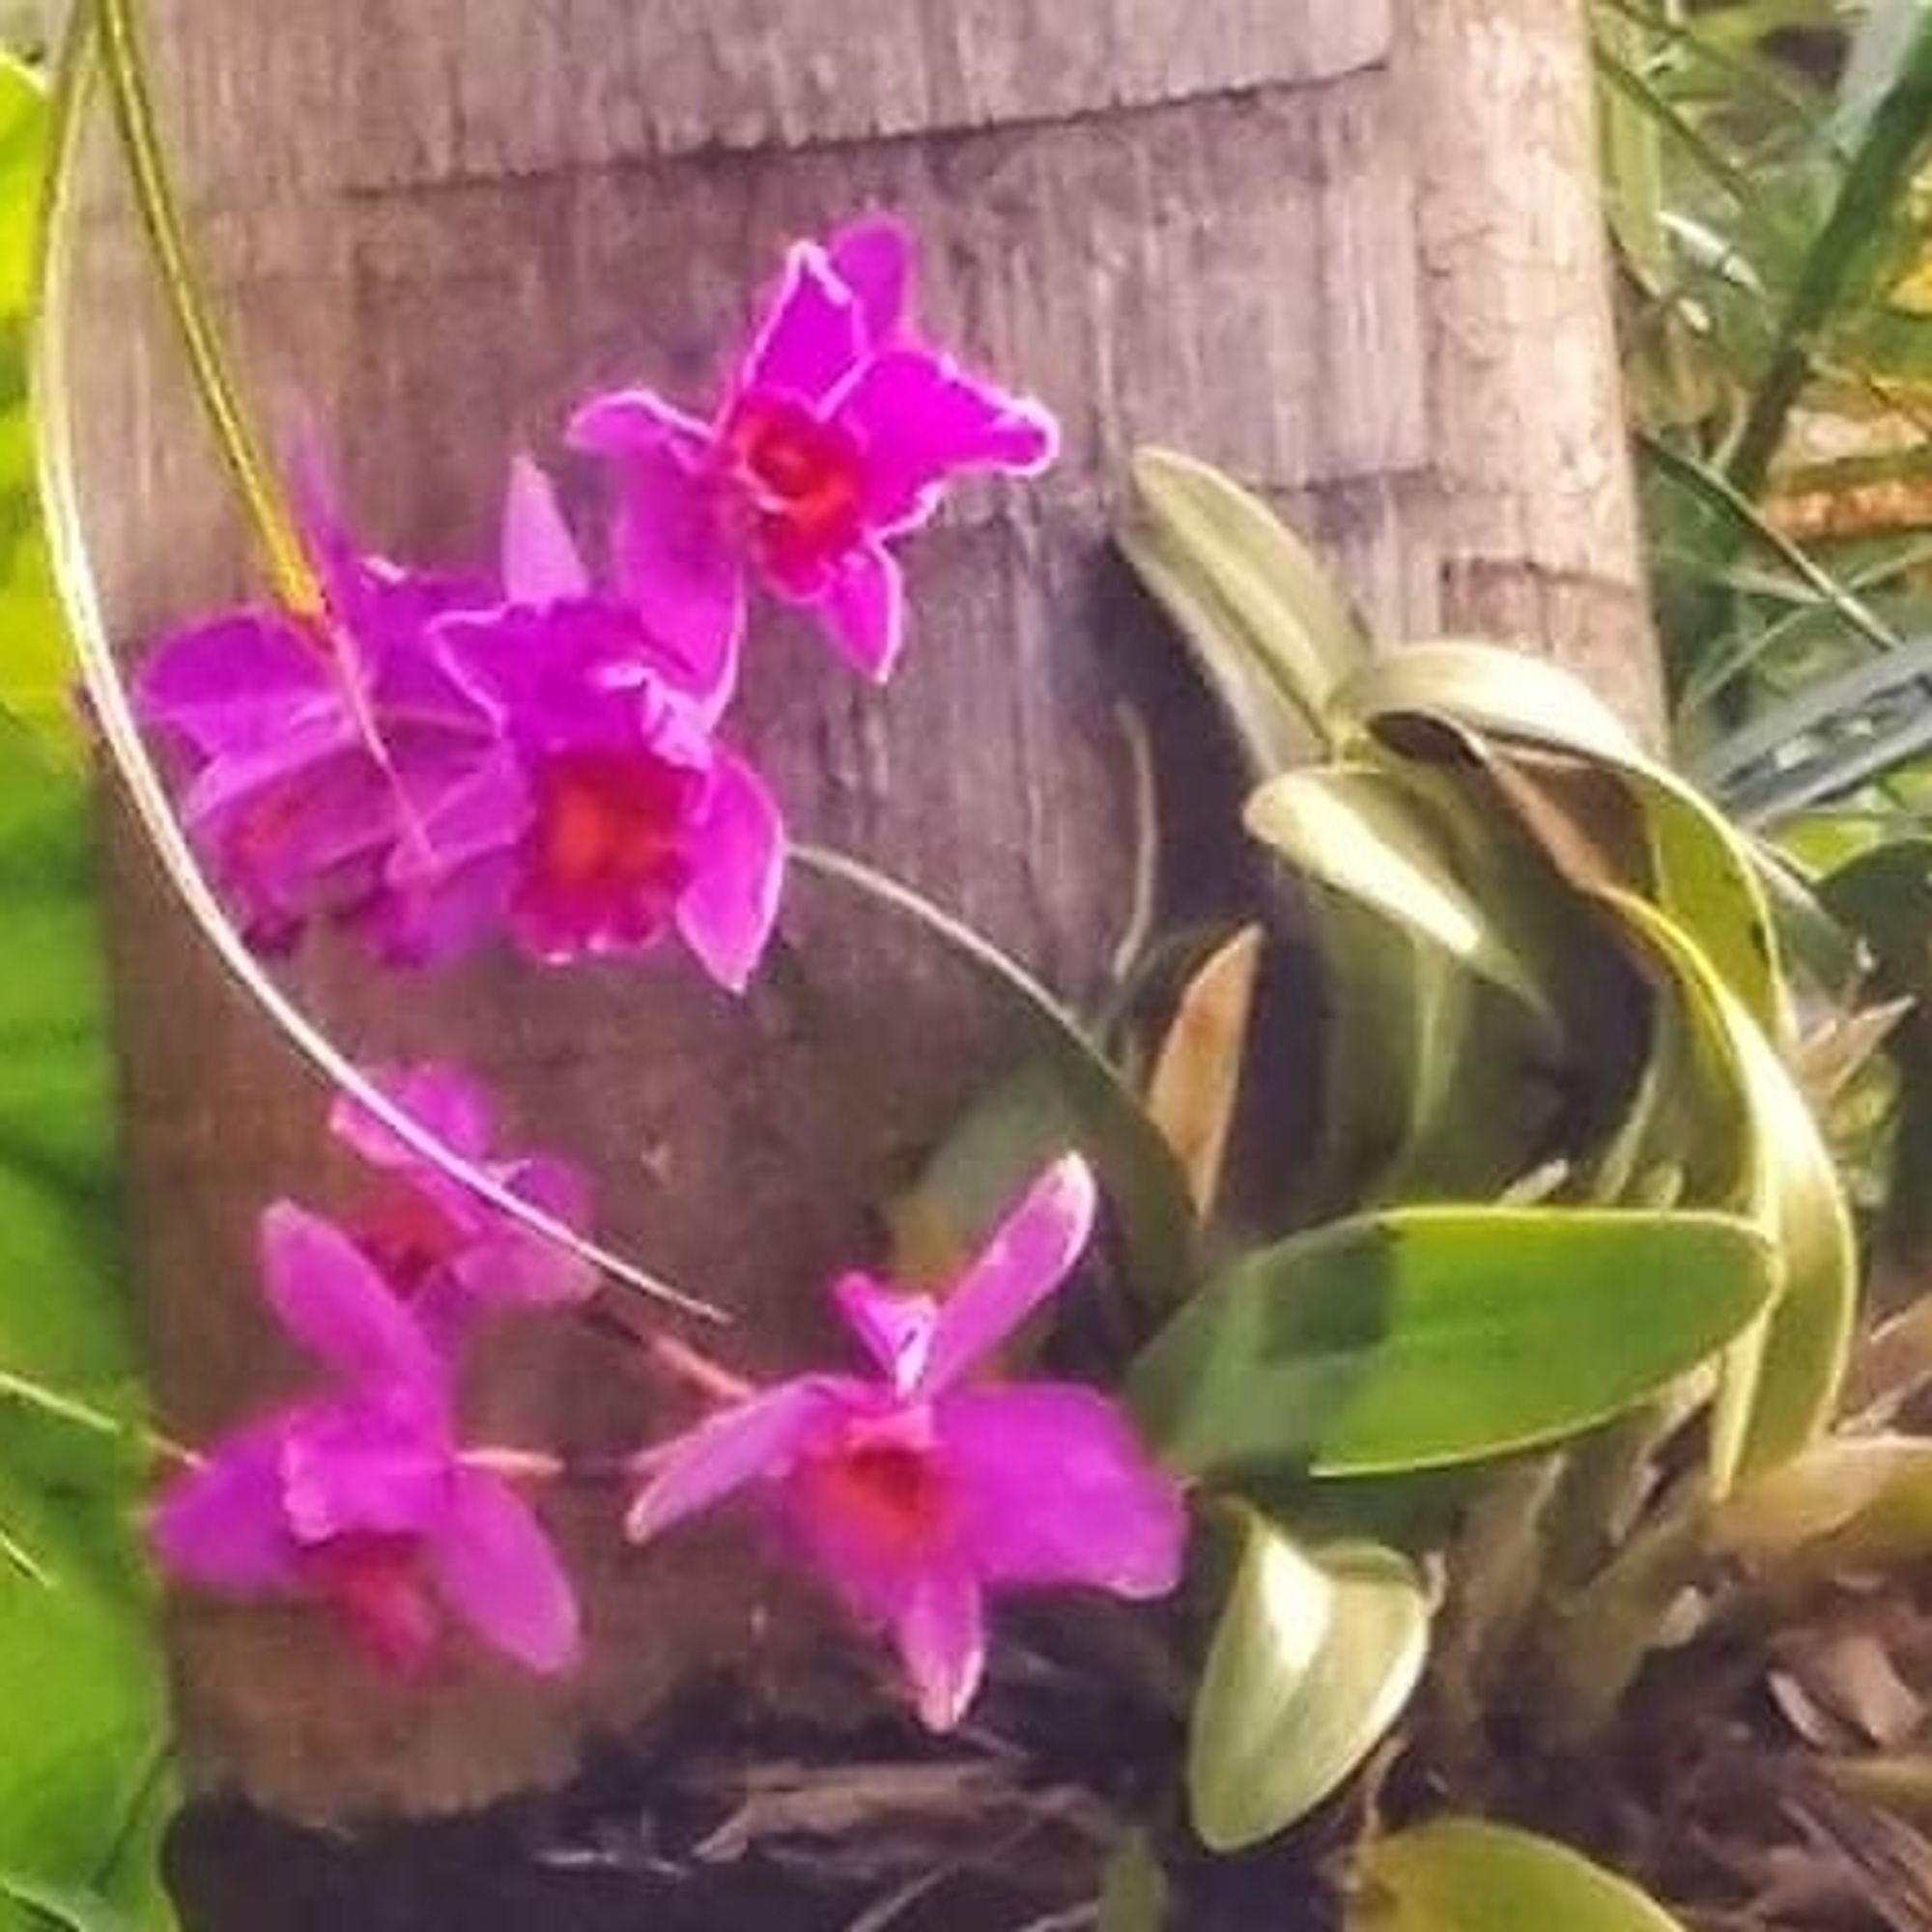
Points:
(1347, 250)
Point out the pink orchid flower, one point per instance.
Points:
(916, 1492)
(361, 1499)
(638, 820)
(336, 771)
(452, 1256)
(839, 432)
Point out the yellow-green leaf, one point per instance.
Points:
(1469, 1875)
(1314, 1656)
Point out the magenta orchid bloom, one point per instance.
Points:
(837, 433)
(452, 1256)
(917, 1491)
(637, 818)
(336, 772)
(361, 1499)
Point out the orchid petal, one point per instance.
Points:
(542, 563)
(862, 607)
(894, 1327)
(352, 1466)
(329, 1298)
(220, 1524)
(232, 686)
(873, 258)
(941, 1638)
(922, 417)
(674, 564)
(443, 1101)
(728, 910)
(500, 1574)
(757, 1440)
(1057, 1490)
(507, 1266)
(1029, 1256)
(812, 334)
(620, 422)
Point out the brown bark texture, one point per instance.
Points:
(1350, 250)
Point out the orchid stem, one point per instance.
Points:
(697, 1371)
(92, 34)
(270, 514)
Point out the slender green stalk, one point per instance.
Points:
(1878, 173)
(290, 572)
(51, 391)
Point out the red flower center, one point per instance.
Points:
(372, 1585)
(890, 1494)
(612, 822)
(406, 1235)
(803, 480)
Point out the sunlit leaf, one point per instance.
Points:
(1362, 831)
(35, 673)
(1312, 1661)
(1428, 1336)
(1264, 619)
(1469, 1875)
(1542, 734)
(1779, 1381)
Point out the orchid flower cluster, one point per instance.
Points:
(914, 1489)
(427, 758)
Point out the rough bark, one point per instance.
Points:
(1346, 249)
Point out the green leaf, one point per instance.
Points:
(1134, 1893)
(1892, 120)
(1099, 1116)
(1314, 1656)
(1469, 1875)
(35, 671)
(1779, 1381)
(1365, 832)
(79, 1678)
(1263, 617)
(1507, 709)
(1428, 1336)
(58, 1905)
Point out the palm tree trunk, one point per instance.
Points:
(1346, 249)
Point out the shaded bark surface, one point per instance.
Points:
(1347, 250)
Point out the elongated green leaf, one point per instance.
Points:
(1429, 1336)
(1262, 615)
(1779, 1381)
(1314, 1656)
(1364, 833)
(1891, 132)
(1505, 708)
(1469, 1875)
(34, 671)
(1103, 1118)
